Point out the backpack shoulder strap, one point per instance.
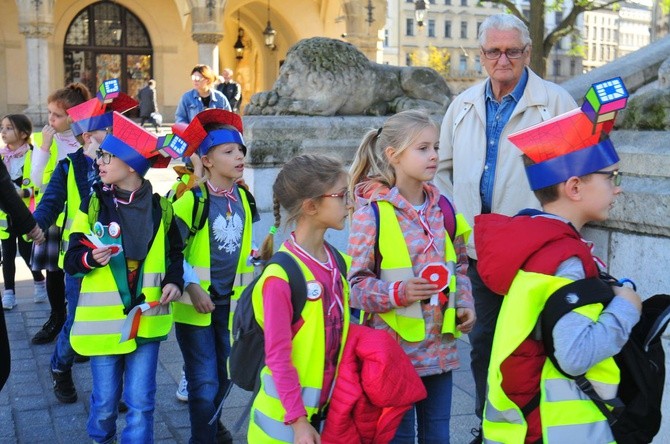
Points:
(200, 209)
(449, 214)
(167, 213)
(296, 281)
(565, 299)
(251, 200)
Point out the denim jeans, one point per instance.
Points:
(135, 374)
(432, 414)
(63, 355)
(205, 351)
(487, 307)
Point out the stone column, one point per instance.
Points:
(365, 24)
(207, 30)
(208, 49)
(36, 24)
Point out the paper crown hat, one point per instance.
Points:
(95, 114)
(575, 143)
(199, 139)
(139, 148)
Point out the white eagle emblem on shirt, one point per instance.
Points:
(228, 232)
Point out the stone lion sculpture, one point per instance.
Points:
(325, 77)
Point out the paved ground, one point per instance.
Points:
(30, 413)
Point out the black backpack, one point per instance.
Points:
(636, 411)
(247, 353)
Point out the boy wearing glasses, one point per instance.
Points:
(480, 168)
(71, 182)
(538, 258)
(126, 246)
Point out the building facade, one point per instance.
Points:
(44, 44)
(611, 33)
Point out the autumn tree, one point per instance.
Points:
(438, 59)
(542, 44)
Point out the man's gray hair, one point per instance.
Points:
(504, 22)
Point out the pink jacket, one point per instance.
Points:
(376, 384)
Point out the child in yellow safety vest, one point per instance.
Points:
(217, 217)
(45, 256)
(408, 270)
(126, 245)
(16, 154)
(302, 357)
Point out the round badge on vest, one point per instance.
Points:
(26, 182)
(114, 230)
(314, 290)
(98, 229)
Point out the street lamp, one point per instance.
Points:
(239, 45)
(269, 34)
(420, 8)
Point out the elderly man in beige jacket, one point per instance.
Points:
(481, 169)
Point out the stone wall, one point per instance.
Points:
(635, 242)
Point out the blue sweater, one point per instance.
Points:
(54, 200)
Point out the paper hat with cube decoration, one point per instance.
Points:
(199, 139)
(575, 143)
(137, 147)
(95, 114)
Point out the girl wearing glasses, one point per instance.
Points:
(313, 192)
(409, 262)
(16, 154)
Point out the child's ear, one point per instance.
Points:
(309, 207)
(205, 161)
(572, 188)
(389, 151)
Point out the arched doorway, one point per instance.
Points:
(104, 41)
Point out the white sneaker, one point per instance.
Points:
(182, 390)
(40, 292)
(8, 299)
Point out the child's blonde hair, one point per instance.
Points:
(399, 131)
(304, 177)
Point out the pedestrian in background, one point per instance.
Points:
(148, 106)
(203, 96)
(231, 89)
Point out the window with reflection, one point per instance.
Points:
(106, 40)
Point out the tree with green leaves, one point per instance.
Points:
(542, 44)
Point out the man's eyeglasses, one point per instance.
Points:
(344, 195)
(104, 156)
(615, 175)
(512, 54)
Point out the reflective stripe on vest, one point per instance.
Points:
(310, 395)
(396, 265)
(273, 428)
(307, 355)
(100, 311)
(71, 209)
(567, 415)
(198, 255)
